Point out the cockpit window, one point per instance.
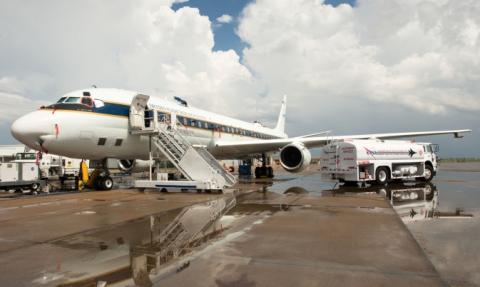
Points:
(87, 101)
(99, 103)
(72, 100)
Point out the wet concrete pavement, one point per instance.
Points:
(449, 236)
(341, 240)
(297, 232)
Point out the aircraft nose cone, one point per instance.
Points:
(29, 128)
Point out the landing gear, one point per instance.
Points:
(103, 182)
(264, 171)
(100, 178)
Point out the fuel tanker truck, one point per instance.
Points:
(378, 161)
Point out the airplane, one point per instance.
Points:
(94, 123)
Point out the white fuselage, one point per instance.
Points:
(101, 130)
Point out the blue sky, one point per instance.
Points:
(225, 36)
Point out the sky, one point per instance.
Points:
(352, 67)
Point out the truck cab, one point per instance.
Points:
(431, 157)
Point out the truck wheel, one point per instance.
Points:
(428, 173)
(34, 186)
(107, 183)
(381, 176)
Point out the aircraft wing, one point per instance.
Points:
(263, 146)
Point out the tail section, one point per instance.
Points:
(281, 117)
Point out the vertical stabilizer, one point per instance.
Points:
(281, 117)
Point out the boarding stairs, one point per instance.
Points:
(198, 166)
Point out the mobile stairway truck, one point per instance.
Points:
(377, 161)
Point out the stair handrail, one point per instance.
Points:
(165, 126)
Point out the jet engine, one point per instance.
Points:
(133, 165)
(295, 157)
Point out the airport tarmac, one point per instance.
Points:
(294, 231)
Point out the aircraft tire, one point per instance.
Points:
(107, 183)
(98, 183)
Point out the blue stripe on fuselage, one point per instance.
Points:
(113, 109)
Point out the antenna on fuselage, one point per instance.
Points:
(181, 101)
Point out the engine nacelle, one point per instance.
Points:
(133, 165)
(295, 157)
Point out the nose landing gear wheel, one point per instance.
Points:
(107, 183)
(103, 183)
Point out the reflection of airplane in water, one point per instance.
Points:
(191, 226)
(418, 202)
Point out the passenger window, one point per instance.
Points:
(102, 141)
(163, 117)
(118, 142)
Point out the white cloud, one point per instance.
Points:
(139, 45)
(224, 19)
(381, 66)
(13, 104)
(424, 55)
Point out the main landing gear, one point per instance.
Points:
(264, 171)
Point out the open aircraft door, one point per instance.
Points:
(137, 112)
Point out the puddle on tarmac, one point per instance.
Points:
(413, 201)
(161, 239)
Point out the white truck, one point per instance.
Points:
(353, 161)
(20, 176)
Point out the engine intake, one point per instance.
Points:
(133, 165)
(295, 157)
